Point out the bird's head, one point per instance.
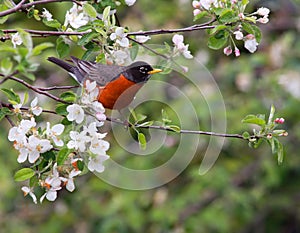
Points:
(140, 71)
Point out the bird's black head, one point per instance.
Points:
(140, 71)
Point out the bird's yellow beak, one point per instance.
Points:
(154, 71)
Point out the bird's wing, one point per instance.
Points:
(100, 73)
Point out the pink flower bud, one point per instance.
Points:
(100, 116)
(241, 15)
(196, 12)
(263, 20)
(269, 136)
(227, 50)
(196, 4)
(279, 120)
(237, 52)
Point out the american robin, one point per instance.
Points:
(117, 84)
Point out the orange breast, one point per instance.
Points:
(119, 93)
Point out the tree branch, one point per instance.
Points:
(34, 88)
(46, 33)
(170, 31)
(13, 10)
(182, 131)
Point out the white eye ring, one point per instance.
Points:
(142, 69)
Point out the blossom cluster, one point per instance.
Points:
(87, 139)
(40, 146)
(234, 7)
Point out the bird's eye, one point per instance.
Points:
(143, 70)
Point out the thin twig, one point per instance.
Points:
(37, 89)
(13, 10)
(148, 48)
(170, 31)
(46, 33)
(182, 131)
(57, 88)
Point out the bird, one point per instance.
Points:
(117, 85)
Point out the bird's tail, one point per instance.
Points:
(73, 70)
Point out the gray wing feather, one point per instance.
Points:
(100, 73)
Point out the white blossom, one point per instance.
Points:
(76, 17)
(120, 57)
(120, 37)
(181, 47)
(16, 39)
(250, 43)
(18, 133)
(263, 20)
(75, 113)
(206, 4)
(263, 11)
(78, 141)
(142, 39)
(196, 4)
(96, 163)
(27, 190)
(52, 184)
(98, 146)
(36, 110)
(238, 35)
(70, 186)
(47, 15)
(130, 2)
(35, 147)
(54, 132)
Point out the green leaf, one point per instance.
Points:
(174, 128)
(217, 28)
(86, 38)
(106, 12)
(227, 16)
(134, 50)
(6, 66)
(140, 117)
(68, 96)
(146, 124)
(24, 174)
(245, 2)
(252, 119)
(84, 28)
(62, 156)
(90, 10)
(62, 48)
(11, 95)
(39, 48)
(48, 155)
(252, 29)
(277, 149)
(5, 111)
(165, 117)
(33, 181)
(52, 23)
(246, 135)
(142, 141)
(271, 116)
(219, 40)
(3, 7)
(61, 109)
(80, 165)
(26, 96)
(65, 121)
(200, 15)
(257, 33)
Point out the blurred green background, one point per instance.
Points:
(245, 191)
